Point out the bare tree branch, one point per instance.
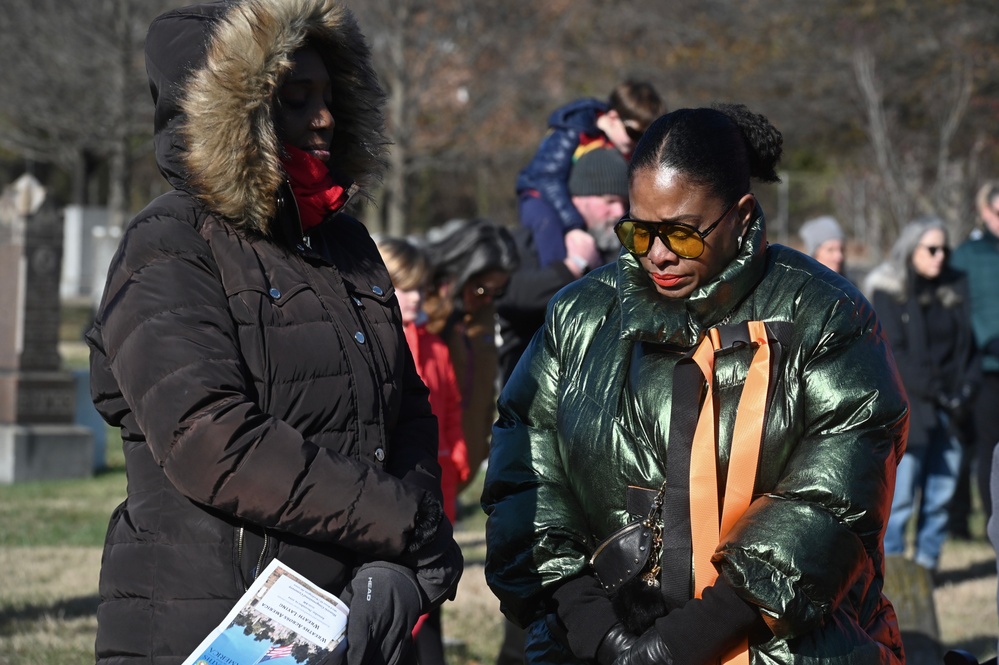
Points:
(877, 132)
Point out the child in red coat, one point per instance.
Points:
(410, 272)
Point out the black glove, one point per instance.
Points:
(584, 615)
(336, 657)
(649, 649)
(433, 553)
(385, 603)
(956, 406)
(429, 515)
(617, 640)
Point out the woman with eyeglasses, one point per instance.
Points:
(923, 305)
(701, 345)
(472, 262)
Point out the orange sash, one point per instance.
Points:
(707, 526)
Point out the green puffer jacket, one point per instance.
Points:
(586, 413)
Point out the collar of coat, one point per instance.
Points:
(649, 317)
(214, 70)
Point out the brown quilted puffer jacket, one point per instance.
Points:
(268, 402)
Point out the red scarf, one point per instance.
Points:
(315, 192)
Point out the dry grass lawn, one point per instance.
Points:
(49, 595)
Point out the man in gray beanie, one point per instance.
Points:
(598, 187)
(825, 242)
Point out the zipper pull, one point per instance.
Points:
(353, 189)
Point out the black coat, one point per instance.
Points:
(905, 325)
(268, 402)
(521, 310)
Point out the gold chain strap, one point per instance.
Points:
(654, 522)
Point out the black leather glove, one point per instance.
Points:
(649, 649)
(385, 603)
(617, 640)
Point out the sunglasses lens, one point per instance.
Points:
(635, 238)
(638, 238)
(684, 242)
(633, 133)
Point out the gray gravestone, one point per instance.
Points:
(909, 587)
(38, 439)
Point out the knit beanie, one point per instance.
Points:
(599, 172)
(816, 231)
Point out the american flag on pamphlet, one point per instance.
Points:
(277, 652)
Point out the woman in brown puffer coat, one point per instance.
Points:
(249, 346)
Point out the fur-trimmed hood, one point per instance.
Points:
(886, 277)
(213, 72)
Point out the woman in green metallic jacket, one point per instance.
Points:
(589, 411)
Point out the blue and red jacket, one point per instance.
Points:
(572, 132)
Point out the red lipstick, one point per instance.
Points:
(666, 281)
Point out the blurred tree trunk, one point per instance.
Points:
(881, 143)
(399, 106)
(123, 50)
(73, 90)
(454, 71)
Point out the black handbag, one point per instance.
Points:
(634, 550)
(627, 563)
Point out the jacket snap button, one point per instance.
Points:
(359, 336)
(377, 290)
(379, 454)
(275, 293)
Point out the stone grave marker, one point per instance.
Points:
(909, 587)
(38, 439)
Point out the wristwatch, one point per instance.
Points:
(580, 263)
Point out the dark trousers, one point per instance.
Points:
(430, 640)
(986, 419)
(960, 504)
(512, 649)
(977, 464)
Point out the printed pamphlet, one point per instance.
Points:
(282, 619)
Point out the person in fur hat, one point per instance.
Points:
(250, 348)
(924, 308)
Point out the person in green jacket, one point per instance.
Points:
(589, 411)
(978, 258)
